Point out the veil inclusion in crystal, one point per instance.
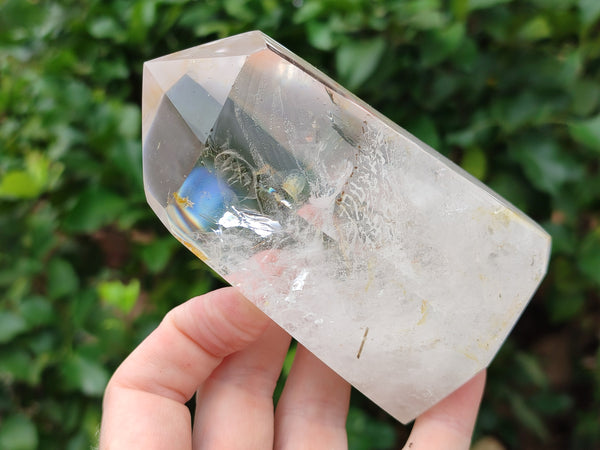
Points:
(391, 264)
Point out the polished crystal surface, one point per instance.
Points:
(391, 264)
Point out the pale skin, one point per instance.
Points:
(225, 351)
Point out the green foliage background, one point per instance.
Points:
(510, 90)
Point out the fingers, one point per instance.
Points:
(237, 399)
(312, 410)
(144, 401)
(449, 424)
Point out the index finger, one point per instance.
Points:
(144, 402)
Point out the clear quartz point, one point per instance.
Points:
(391, 264)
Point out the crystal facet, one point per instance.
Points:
(391, 264)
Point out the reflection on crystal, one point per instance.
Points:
(395, 267)
(261, 225)
(200, 201)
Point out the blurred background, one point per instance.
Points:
(510, 90)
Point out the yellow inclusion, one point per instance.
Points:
(184, 202)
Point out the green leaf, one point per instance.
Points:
(239, 10)
(86, 375)
(129, 121)
(536, 29)
(589, 255)
(515, 112)
(45, 342)
(105, 27)
(143, 15)
(512, 188)
(21, 365)
(28, 183)
(567, 277)
(11, 325)
(563, 308)
(126, 156)
(547, 167)
(428, 20)
(18, 184)
(484, 4)
(309, 11)
(118, 294)
(37, 311)
(552, 403)
(62, 278)
(587, 132)
(589, 11)
(357, 61)
(112, 70)
(528, 417)
(563, 238)
(423, 127)
(80, 441)
(365, 432)
(38, 165)
(321, 36)
(84, 307)
(569, 67)
(18, 432)
(16, 365)
(460, 9)
(474, 162)
(41, 237)
(441, 44)
(156, 254)
(474, 134)
(88, 432)
(586, 94)
(95, 208)
(532, 369)
(220, 27)
(289, 361)
(554, 5)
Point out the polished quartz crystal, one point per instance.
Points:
(395, 267)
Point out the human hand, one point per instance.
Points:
(223, 349)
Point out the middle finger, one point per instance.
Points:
(234, 406)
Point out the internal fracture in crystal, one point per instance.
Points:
(391, 264)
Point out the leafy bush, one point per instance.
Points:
(509, 90)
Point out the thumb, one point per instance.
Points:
(144, 400)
